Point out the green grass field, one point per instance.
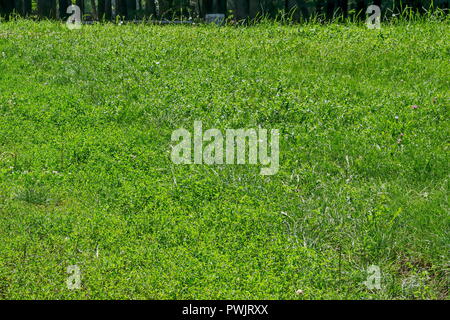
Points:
(86, 179)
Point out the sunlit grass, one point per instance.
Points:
(86, 178)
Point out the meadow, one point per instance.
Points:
(86, 179)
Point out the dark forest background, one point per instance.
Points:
(194, 9)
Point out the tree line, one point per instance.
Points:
(194, 9)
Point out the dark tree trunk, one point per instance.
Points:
(343, 5)
(6, 7)
(222, 8)
(254, 8)
(321, 6)
(47, 8)
(301, 4)
(131, 9)
(104, 10)
(26, 7)
(18, 6)
(361, 7)
(297, 7)
(242, 9)
(80, 3)
(121, 8)
(330, 9)
(108, 9)
(94, 9)
(338, 7)
(218, 6)
(150, 8)
(377, 3)
(63, 5)
(101, 9)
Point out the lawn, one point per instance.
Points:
(86, 177)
